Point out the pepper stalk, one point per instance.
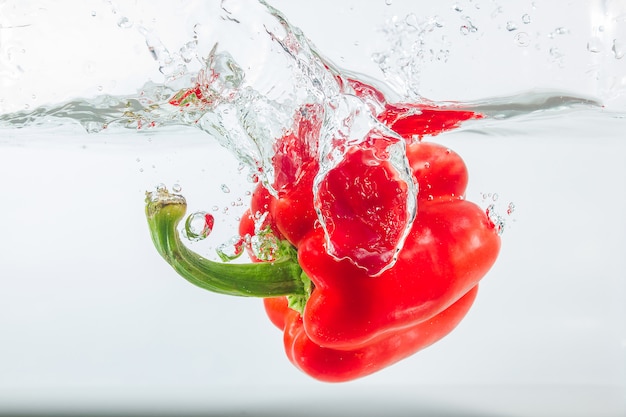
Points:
(281, 277)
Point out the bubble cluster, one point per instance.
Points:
(494, 210)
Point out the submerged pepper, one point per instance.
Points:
(348, 301)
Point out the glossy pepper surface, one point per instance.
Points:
(345, 312)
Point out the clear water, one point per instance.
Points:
(93, 321)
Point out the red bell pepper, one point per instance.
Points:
(340, 321)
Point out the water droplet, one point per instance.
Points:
(161, 188)
(93, 13)
(594, 45)
(427, 165)
(511, 26)
(618, 48)
(411, 20)
(232, 249)
(198, 226)
(215, 208)
(430, 197)
(494, 197)
(124, 23)
(526, 19)
(388, 2)
(457, 8)
(556, 53)
(522, 39)
(510, 209)
(469, 27)
(177, 188)
(225, 188)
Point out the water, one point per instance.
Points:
(91, 316)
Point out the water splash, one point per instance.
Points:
(279, 105)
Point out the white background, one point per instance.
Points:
(93, 321)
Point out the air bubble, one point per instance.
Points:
(526, 19)
(511, 26)
(556, 53)
(177, 188)
(522, 39)
(594, 45)
(388, 2)
(225, 188)
(468, 27)
(411, 20)
(510, 209)
(619, 49)
(198, 226)
(457, 8)
(124, 23)
(231, 250)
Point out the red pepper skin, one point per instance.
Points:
(333, 365)
(293, 212)
(450, 248)
(347, 317)
(355, 324)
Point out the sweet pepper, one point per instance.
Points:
(343, 314)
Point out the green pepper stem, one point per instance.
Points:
(281, 277)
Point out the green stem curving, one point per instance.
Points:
(282, 277)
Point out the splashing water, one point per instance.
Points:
(280, 87)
